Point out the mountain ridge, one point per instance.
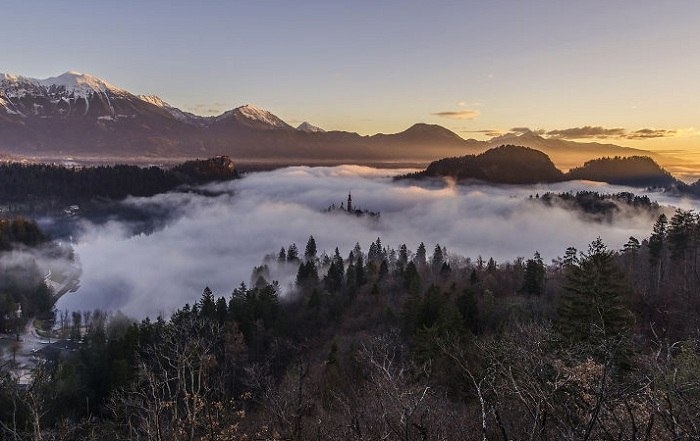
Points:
(79, 115)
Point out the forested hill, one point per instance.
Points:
(507, 164)
(635, 171)
(510, 164)
(42, 182)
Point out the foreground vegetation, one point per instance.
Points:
(396, 345)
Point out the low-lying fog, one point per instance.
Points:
(216, 241)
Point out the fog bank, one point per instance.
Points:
(216, 241)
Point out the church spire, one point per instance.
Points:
(349, 202)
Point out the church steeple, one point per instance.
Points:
(349, 202)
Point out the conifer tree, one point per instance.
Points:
(292, 253)
(310, 250)
(593, 308)
(420, 258)
(402, 261)
(535, 276)
(207, 304)
(657, 239)
(438, 258)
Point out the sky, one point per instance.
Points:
(609, 68)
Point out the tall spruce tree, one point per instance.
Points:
(535, 276)
(310, 250)
(593, 308)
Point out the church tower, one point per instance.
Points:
(349, 203)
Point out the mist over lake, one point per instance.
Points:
(215, 239)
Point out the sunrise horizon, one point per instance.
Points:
(624, 76)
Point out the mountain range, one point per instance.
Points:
(79, 116)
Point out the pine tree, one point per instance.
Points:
(292, 253)
(535, 276)
(632, 245)
(438, 258)
(207, 304)
(593, 308)
(310, 250)
(403, 258)
(680, 233)
(336, 273)
(657, 239)
(420, 258)
(570, 257)
(360, 277)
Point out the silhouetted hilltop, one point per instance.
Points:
(507, 164)
(635, 171)
(511, 164)
(219, 168)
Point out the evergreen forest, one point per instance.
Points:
(379, 343)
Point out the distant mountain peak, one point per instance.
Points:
(309, 128)
(71, 83)
(423, 131)
(80, 83)
(255, 117)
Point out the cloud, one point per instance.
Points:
(459, 114)
(587, 132)
(599, 132)
(216, 241)
(650, 133)
(207, 109)
(524, 130)
(488, 132)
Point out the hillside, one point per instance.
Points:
(635, 171)
(510, 164)
(507, 164)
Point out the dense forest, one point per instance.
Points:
(602, 207)
(394, 344)
(507, 164)
(21, 282)
(26, 184)
(511, 164)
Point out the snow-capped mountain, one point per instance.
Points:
(80, 115)
(309, 128)
(254, 117)
(186, 117)
(71, 94)
(79, 85)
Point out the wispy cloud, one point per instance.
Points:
(488, 132)
(588, 132)
(458, 114)
(524, 130)
(650, 133)
(598, 132)
(206, 109)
